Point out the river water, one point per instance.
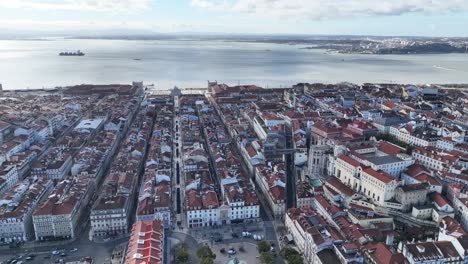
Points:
(190, 63)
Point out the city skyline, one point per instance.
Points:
(344, 17)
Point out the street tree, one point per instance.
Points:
(207, 260)
(263, 246)
(266, 258)
(182, 255)
(205, 252)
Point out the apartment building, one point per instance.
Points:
(435, 159)
(310, 232)
(59, 215)
(8, 177)
(438, 252)
(272, 182)
(378, 185)
(17, 207)
(414, 136)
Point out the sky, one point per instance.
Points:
(329, 17)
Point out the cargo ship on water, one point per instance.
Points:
(78, 53)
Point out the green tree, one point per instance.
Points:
(206, 260)
(182, 255)
(205, 252)
(263, 246)
(295, 259)
(266, 258)
(292, 256)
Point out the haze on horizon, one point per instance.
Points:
(330, 17)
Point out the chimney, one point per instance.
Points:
(1, 90)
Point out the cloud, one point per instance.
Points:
(203, 3)
(46, 25)
(331, 9)
(80, 5)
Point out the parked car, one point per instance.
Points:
(258, 237)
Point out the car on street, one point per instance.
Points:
(88, 259)
(73, 250)
(258, 237)
(55, 252)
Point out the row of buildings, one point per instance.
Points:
(70, 168)
(201, 201)
(155, 195)
(112, 211)
(239, 201)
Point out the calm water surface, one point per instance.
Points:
(167, 63)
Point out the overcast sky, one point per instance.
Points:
(355, 17)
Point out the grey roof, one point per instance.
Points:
(384, 160)
(426, 206)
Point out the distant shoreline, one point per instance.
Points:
(461, 86)
(339, 44)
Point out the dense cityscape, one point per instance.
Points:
(387, 45)
(313, 173)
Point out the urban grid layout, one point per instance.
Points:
(313, 173)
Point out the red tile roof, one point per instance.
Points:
(350, 160)
(452, 226)
(383, 255)
(379, 175)
(332, 209)
(429, 179)
(438, 199)
(389, 104)
(251, 151)
(278, 193)
(146, 243)
(416, 169)
(389, 148)
(339, 187)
